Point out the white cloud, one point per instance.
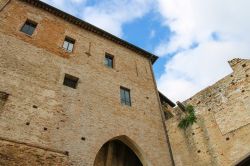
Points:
(110, 15)
(78, 1)
(69, 6)
(152, 33)
(194, 21)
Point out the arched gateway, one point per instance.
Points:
(245, 162)
(119, 151)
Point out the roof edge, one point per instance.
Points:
(89, 27)
(164, 98)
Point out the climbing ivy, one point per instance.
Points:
(189, 119)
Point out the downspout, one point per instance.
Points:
(162, 115)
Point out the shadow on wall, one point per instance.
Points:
(3, 98)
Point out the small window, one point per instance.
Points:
(29, 27)
(70, 81)
(125, 96)
(109, 60)
(68, 44)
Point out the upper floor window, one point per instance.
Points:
(109, 60)
(70, 81)
(68, 44)
(29, 27)
(125, 96)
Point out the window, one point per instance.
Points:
(125, 96)
(68, 44)
(109, 60)
(29, 27)
(70, 81)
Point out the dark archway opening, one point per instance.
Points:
(245, 162)
(116, 153)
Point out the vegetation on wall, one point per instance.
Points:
(189, 119)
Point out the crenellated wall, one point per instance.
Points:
(221, 134)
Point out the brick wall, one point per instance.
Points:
(42, 111)
(14, 154)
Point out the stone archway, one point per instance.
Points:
(245, 162)
(119, 151)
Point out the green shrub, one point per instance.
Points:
(190, 118)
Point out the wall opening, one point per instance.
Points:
(119, 153)
(245, 162)
(70, 81)
(3, 98)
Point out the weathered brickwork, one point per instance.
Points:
(3, 3)
(43, 122)
(221, 134)
(16, 154)
(41, 111)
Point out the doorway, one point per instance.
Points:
(116, 153)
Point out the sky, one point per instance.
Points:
(194, 39)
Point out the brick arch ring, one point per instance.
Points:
(243, 160)
(131, 145)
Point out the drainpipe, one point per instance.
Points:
(162, 115)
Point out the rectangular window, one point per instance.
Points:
(70, 81)
(68, 44)
(125, 96)
(29, 27)
(109, 60)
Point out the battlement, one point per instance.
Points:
(223, 122)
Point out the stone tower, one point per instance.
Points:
(73, 94)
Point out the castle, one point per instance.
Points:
(73, 94)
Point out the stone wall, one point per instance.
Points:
(3, 3)
(41, 111)
(221, 134)
(16, 154)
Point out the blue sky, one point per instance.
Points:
(193, 38)
(147, 32)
